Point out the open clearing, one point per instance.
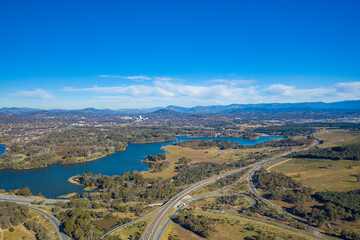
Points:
(174, 153)
(20, 233)
(322, 174)
(234, 227)
(130, 232)
(337, 137)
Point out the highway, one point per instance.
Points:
(128, 224)
(155, 228)
(30, 203)
(13, 198)
(151, 231)
(53, 220)
(253, 190)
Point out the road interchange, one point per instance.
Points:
(157, 225)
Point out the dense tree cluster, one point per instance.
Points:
(24, 192)
(286, 142)
(134, 187)
(12, 214)
(340, 125)
(348, 152)
(206, 144)
(352, 234)
(77, 223)
(78, 144)
(347, 200)
(304, 128)
(191, 173)
(199, 224)
(41, 233)
(335, 205)
(129, 187)
(157, 162)
(282, 187)
(286, 130)
(223, 145)
(155, 158)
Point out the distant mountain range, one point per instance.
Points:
(343, 106)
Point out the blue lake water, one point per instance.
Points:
(52, 181)
(2, 149)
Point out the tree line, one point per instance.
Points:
(335, 205)
(13, 214)
(199, 224)
(348, 152)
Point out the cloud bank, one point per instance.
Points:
(37, 93)
(224, 91)
(139, 77)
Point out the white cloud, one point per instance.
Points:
(168, 89)
(233, 82)
(132, 90)
(165, 78)
(139, 77)
(37, 93)
(336, 92)
(292, 91)
(162, 92)
(349, 86)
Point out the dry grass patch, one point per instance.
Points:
(322, 174)
(178, 232)
(174, 153)
(338, 137)
(20, 233)
(234, 227)
(133, 231)
(106, 224)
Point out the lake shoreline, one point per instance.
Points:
(122, 150)
(87, 160)
(52, 181)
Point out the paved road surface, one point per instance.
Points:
(30, 203)
(53, 220)
(13, 198)
(154, 228)
(129, 223)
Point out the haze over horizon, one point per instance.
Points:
(122, 54)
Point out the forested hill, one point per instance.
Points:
(344, 106)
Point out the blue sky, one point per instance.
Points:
(135, 54)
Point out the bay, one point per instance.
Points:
(52, 180)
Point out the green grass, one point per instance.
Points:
(19, 233)
(132, 230)
(338, 137)
(174, 153)
(322, 174)
(235, 227)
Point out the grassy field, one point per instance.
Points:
(235, 227)
(210, 203)
(322, 175)
(239, 188)
(338, 137)
(174, 153)
(133, 230)
(20, 233)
